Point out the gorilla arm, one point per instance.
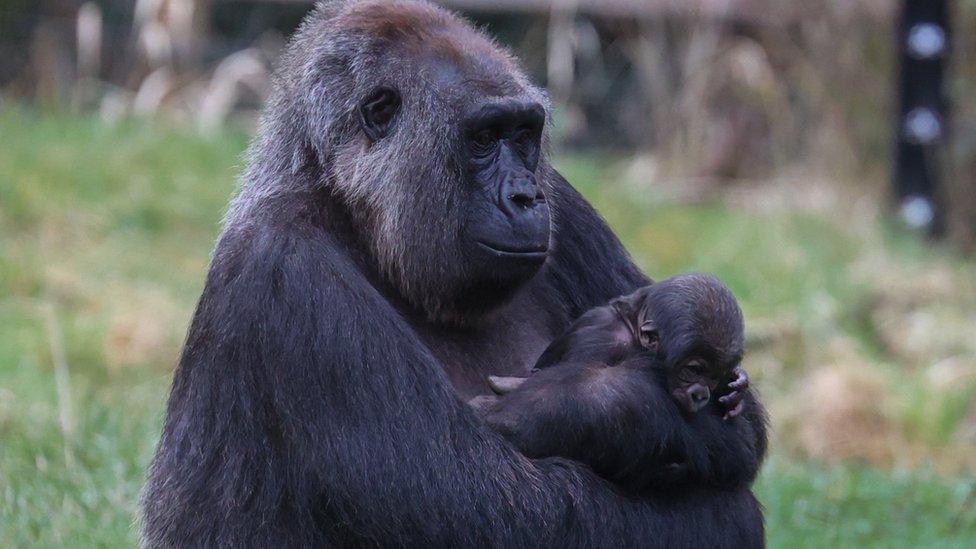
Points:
(589, 266)
(306, 412)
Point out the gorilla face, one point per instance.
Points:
(508, 226)
(456, 205)
(432, 140)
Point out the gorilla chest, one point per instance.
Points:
(508, 347)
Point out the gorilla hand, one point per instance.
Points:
(733, 401)
(501, 386)
(504, 385)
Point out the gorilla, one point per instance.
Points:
(398, 236)
(627, 390)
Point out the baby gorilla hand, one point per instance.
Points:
(733, 401)
(501, 386)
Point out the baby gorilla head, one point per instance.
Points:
(691, 326)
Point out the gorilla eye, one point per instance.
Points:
(649, 338)
(696, 365)
(525, 137)
(378, 111)
(484, 140)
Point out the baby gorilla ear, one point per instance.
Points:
(649, 338)
(378, 112)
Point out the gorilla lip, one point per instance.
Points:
(528, 252)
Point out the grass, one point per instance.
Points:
(105, 234)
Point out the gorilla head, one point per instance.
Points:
(432, 140)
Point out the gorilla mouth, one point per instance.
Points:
(523, 252)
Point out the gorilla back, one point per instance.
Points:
(399, 235)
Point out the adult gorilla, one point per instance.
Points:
(391, 247)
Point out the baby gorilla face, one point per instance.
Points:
(692, 384)
(692, 327)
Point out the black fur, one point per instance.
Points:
(612, 392)
(316, 402)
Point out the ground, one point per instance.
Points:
(859, 335)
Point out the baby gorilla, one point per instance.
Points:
(604, 393)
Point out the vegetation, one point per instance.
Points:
(859, 334)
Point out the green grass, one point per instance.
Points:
(105, 234)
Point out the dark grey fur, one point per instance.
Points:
(316, 402)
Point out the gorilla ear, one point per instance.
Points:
(378, 111)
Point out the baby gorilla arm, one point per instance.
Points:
(626, 428)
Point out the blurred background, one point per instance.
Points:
(819, 156)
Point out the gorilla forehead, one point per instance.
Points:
(469, 77)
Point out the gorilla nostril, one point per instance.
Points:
(522, 199)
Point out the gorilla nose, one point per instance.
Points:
(699, 396)
(523, 199)
(520, 194)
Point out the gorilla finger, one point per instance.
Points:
(741, 381)
(734, 411)
(731, 400)
(482, 402)
(677, 470)
(503, 384)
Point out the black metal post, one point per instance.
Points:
(923, 46)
